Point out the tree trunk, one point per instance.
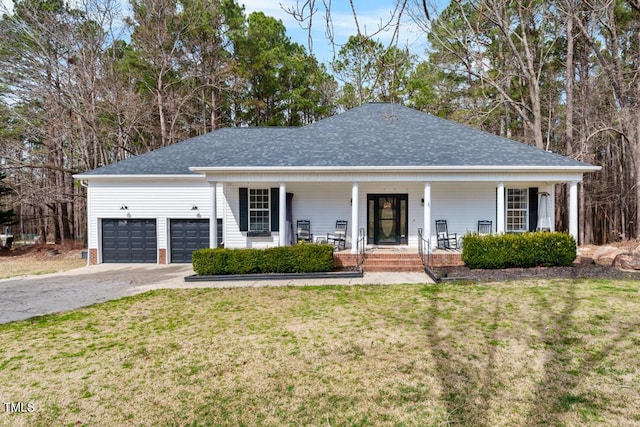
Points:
(161, 118)
(42, 224)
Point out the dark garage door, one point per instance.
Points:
(188, 235)
(129, 240)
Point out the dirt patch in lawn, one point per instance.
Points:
(41, 251)
(40, 259)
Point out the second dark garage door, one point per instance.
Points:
(188, 235)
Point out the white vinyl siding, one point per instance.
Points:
(517, 205)
(462, 205)
(149, 200)
(323, 204)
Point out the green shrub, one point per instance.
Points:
(278, 260)
(247, 261)
(208, 262)
(518, 250)
(303, 258)
(312, 258)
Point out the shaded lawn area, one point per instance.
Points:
(521, 353)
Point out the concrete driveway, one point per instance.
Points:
(29, 296)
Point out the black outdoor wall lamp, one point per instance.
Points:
(124, 207)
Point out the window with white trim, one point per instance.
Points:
(517, 210)
(259, 209)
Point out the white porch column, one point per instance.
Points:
(552, 197)
(213, 209)
(354, 218)
(501, 209)
(282, 215)
(573, 209)
(426, 228)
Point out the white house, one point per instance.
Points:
(386, 169)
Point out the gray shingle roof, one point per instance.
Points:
(375, 134)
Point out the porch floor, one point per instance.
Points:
(398, 249)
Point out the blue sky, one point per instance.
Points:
(371, 13)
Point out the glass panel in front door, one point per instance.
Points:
(387, 220)
(403, 220)
(371, 221)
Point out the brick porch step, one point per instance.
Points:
(392, 262)
(392, 268)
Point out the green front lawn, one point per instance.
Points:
(522, 353)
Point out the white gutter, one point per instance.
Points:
(393, 169)
(105, 177)
(200, 172)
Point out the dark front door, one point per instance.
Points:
(387, 219)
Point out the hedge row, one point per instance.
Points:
(518, 250)
(285, 259)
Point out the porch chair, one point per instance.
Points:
(339, 237)
(303, 233)
(444, 239)
(485, 227)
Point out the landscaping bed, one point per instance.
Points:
(341, 274)
(582, 270)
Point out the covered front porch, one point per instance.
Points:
(385, 213)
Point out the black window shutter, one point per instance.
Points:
(533, 208)
(244, 209)
(275, 209)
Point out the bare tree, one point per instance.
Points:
(305, 13)
(52, 61)
(609, 122)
